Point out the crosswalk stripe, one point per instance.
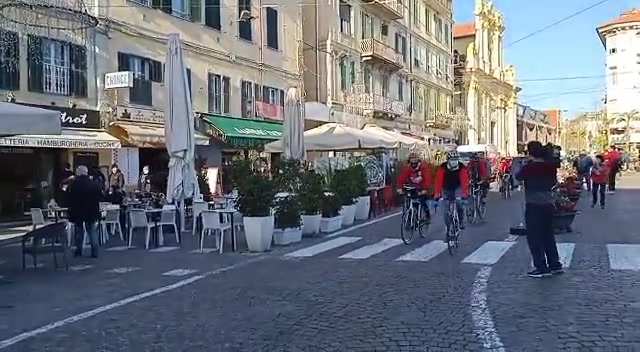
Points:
(372, 249)
(322, 247)
(624, 256)
(489, 253)
(425, 253)
(565, 252)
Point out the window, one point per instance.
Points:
(367, 26)
(614, 78)
(343, 74)
(427, 20)
(212, 14)
(146, 71)
(400, 89)
(247, 99)
(367, 75)
(401, 46)
(178, 8)
(273, 96)
(437, 21)
(244, 26)
(9, 61)
(56, 67)
(385, 85)
(272, 27)
(447, 34)
(345, 18)
(218, 93)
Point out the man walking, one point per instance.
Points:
(539, 177)
(84, 209)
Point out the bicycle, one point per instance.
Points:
(505, 186)
(477, 209)
(413, 216)
(453, 230)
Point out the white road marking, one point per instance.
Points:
(489, 253)
(91, 313)
(426, 252)
(565, 252)
(624, 256)
(322, 247)
(373, 249)
(483, 325)
(205, 251)
(80, 267)
(179, 272)
(512, 238)
(123, 270)
(359, 226)
(118, 248)
(163, 249)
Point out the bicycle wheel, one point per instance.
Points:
(481, 210)
(408, 226)
(471, 210)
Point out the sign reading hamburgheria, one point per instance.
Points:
(52, 142)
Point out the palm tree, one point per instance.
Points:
(578, 135)
(604, 123)
(627, 118)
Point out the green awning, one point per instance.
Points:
(242, 132)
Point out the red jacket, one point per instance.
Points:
(463, 175)
(420, 178)
(600, 176)
(482, 169)
(504, 167)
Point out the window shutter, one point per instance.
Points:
(265, 94)
(226, 94)
(212, 14)
(10, 64)
(189, 81)
(282, 93)
(272, 27)
(156, 71)
(195, 11)
(34, 64)
(257, 92)
(210, 93)
(123, 62)
(78, 70)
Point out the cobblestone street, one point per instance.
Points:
(359, 290)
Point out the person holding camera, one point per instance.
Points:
(539, 177)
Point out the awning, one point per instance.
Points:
(146, 135)
(242, 132)
(18, 119)
(68, 139)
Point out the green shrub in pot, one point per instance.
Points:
(255, 195)
(287, 213)
(359, 180)
(331, 205)
(311, 192)
(341, 184)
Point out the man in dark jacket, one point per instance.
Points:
(84, 209)
(539, 177)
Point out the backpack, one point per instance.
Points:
(584, 164)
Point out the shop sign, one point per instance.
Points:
(140, 115)
(43, 142)
(256, 132)
(73, 117)
(122, 79)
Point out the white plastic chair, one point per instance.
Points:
(197, 209)
(168, 218)
(211, 225)
(138, 220)
(37, 218)
(112, 217)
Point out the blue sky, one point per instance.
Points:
(569, 49)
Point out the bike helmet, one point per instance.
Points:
(452, 154)
(413, 155)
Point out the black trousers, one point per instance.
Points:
(540, 236)
(612, 181)
(598, 189)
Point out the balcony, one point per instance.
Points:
(444, 7)
(440, 119)
(381, 106)
(381, 54)
(345, 39)
(387, 9)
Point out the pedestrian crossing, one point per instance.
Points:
(620, 256)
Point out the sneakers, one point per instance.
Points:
(537, 274)
(602, 207)
(557, 271)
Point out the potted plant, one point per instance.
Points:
(288, 224)
(331, 219)
(311, 195)
(342, 187)
(255, 199)
(360, 185)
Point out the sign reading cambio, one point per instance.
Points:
(122, 79)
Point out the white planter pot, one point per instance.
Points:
(363, 205)
(258, 232)
(348, 213)
(311, 224)
(330, 224)
(283, 237)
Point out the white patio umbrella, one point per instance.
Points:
(335, 136)
(293, 127)
(179, 128)
(406, 141)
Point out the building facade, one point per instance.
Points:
(382, 62)
(621, 38)
(534, 125)
(241, 57)
(485, 86)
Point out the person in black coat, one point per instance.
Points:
(84, 209)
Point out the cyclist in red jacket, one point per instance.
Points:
(478, 174)
(416, 174)
(452, 182)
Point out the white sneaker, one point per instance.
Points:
(611, 192)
